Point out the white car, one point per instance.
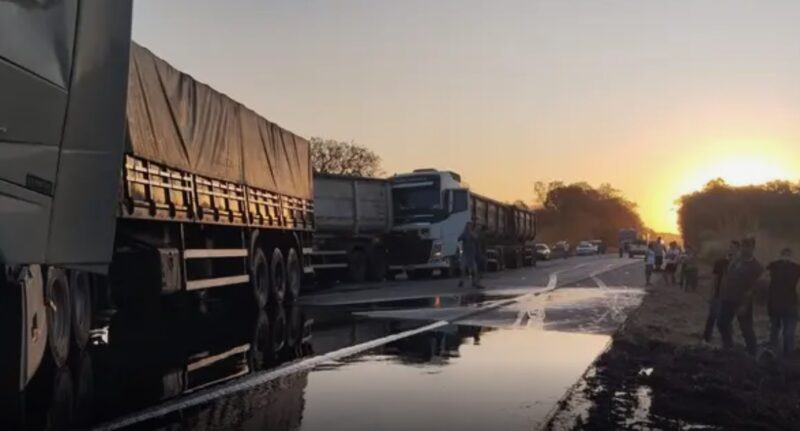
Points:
(585, 248)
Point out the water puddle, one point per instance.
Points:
(459, 377)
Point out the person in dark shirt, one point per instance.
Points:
(470, 249)
(720, 268)
(782, 303)
(736, 297)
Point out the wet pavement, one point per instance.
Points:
(412, 355)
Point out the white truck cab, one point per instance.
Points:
(431, 210)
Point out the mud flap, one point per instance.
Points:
(33, 336)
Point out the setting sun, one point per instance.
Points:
(738, 162)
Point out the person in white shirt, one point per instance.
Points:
(649, 263)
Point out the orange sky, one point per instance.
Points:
(654, 97)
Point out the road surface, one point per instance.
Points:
(406, 355)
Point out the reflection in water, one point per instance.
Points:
(153, 357)
(508, 380)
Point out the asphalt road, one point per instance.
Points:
(406, 355)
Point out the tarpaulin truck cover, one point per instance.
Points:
(185, 124)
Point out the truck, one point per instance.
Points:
(122, 178)
(627, 237)
(431, 210)
(353, 216)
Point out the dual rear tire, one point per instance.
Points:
(275, 280)
(68, 302)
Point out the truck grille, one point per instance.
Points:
(408, 249)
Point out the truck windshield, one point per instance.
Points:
(417, 199)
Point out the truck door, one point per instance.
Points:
(36, 47)
(458, 216)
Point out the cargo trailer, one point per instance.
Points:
(123, 179)
(352, 217)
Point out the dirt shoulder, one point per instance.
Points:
(657, 374)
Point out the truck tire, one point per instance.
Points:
(453, 267)
(59, 316)
(357, 266)
(81, 297)
(294, 276)
(260, 278)
(277, 275)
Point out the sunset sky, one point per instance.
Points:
(654, 97)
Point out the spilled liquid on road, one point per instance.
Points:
(499, 367)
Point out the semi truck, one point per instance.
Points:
(122, 178)
(353, 216)
(431, 210)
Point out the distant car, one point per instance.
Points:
(542, 251)
(561, 249)
(585, 248)
(599, 246)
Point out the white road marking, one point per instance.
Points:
(600, 283)
(553, 280)
(259, 379)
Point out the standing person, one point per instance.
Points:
(659, 250)
(469, 254)
(736, 297)
(782, 304)
(690, 271)
(720, 268)
(671, 260)
(649, 263)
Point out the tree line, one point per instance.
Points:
(578, 211)
(711, 217)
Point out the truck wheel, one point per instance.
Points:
(81, 296)
(357, 266)
(294, 276)
(453, 268)
(59, 315)
(260, 278)
(277, 273)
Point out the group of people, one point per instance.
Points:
(737, 277)
(678, 266)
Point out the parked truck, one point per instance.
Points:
(122, 178)
(432, 208)
(353, 216)
(627, 237)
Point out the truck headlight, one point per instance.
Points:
(436, 251)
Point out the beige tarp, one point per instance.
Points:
(185, 124)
